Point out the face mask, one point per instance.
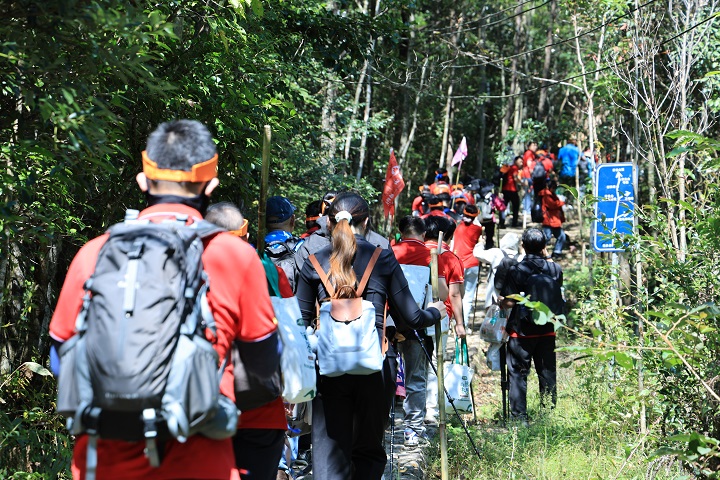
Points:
(199, 202)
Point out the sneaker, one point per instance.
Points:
(303, 459)
(412, 439)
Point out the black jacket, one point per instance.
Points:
(516, 282)
(387, 283)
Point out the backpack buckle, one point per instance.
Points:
(149, 423)
(150, 432)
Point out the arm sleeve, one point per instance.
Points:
(403, 308)
(306, 292)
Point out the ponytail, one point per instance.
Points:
(344, 247)
(347, 209)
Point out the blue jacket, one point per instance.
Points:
(568, 156)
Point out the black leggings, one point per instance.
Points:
(258, 452)
(514, 198)
(350, 415)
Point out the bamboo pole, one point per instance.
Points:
(264, 177)
(440, 354)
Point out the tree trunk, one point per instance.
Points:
(542, 101)
(456, 25)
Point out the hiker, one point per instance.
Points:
(419, 204)
(467, 235)
(491, 208)
(260, 438)
(512, 184)
(553, 218)
(350, 412)
(530, 158)
(411, 250)
(542, 281)
(179, 174)
(442, 182)
(568, 157)
(494, 257)
(321, 238)
(312, 213)
(280, 243)
(450, 268)
(437, 207)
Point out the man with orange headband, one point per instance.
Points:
(179, 174)
(467, 235)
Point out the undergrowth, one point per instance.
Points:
(592, 434)
(34, 444)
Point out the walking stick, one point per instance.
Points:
(440, 363)
(264, 176)
(477, 284)
(392, 436)
(449, 398)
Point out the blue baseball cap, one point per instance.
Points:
(279, 209)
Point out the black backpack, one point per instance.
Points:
(536, 213)
(140, 367)
(542, 287)
(282, 254)
(539, 172)
(502, 270)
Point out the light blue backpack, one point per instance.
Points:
(348, 342)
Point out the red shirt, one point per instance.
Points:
(417, 204)
(412, 252)
(242, 310)
(528, 163)
(435, 213)
(450, 267)
(509, 184)
(465, 238)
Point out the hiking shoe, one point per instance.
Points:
(412, 439)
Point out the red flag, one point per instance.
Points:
(394, 184)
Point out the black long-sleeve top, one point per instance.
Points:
(387, 283)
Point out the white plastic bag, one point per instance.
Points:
(297, 362)
(493, 327)
(492, 356)
(458, 377)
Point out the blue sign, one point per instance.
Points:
(615, 207)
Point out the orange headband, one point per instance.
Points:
(242, 231)
(312, 219)
(201, 172)
(471, 215)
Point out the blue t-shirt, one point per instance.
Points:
(568, 156)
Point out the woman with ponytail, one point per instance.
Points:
(350, 411)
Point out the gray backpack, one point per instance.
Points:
(139, 367)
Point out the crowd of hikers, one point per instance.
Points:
(183, 354)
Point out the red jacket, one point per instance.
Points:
(552, 209)
(242, 310)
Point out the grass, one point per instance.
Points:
(592, 434)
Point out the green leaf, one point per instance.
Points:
(257, 8)
(624, 360)
(37, 368)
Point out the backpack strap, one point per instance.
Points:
(323, 276)
(368, 271)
